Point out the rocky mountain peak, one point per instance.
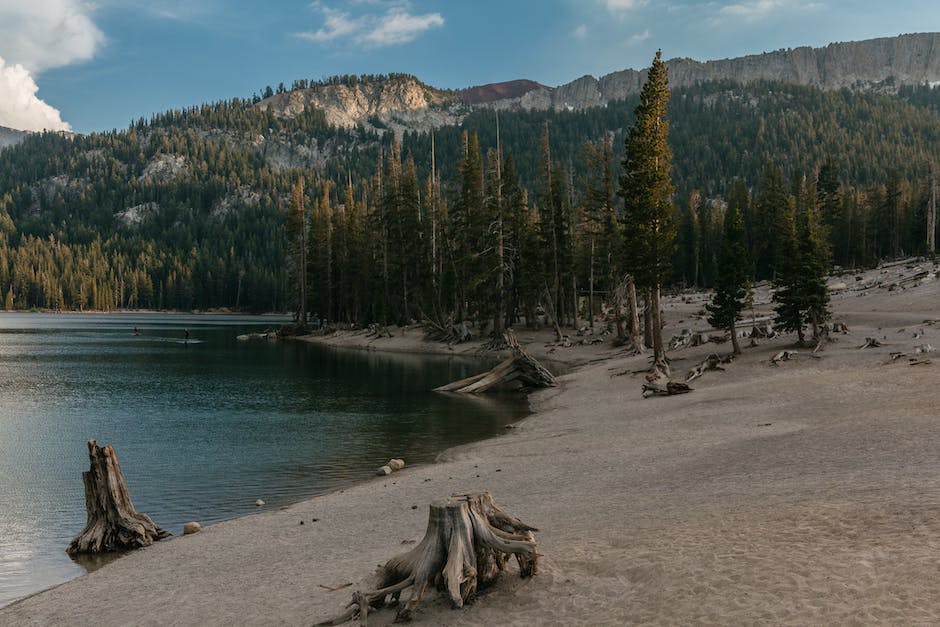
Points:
(399, 102)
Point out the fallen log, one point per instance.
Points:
(520, 368)
(712, 362)
(113, 524)
(465, 545)
(782, 356)
(671, 388)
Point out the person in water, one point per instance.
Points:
(186, 335)
(136, 332)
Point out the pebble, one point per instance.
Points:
(191, 527)
(259, 503)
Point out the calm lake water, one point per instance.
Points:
(202, 429)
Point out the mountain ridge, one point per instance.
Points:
(403, 103)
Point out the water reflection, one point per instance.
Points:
(202, 429)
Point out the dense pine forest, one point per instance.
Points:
(488, 221)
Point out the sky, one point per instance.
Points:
(97, 65)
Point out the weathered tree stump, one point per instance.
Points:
(467, 541)
(113, 523)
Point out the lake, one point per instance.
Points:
(202, 428)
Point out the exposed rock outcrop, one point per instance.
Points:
(403, 103)
(400, 103)
(876, 64)
(10, 137)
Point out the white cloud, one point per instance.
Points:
(639, 38)
(42, 34)
(400, 27)
(336, 25)
(397, 25)
(619, 6)
(756, 10)
(581, 31)
(37, 35)
(19, 106)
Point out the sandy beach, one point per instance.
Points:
(806, 493)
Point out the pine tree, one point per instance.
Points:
(801, 293)
(732, 283)
(814, 255)
(787, 283)
(646, 188)
(296, 226)
(766, 224)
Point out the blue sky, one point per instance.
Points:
(94, 66)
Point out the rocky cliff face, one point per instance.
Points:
(10, 137)
(874, 64)
(404, 103)
(399, 104)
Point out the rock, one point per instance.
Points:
(259, 503)
(396, 464)
(383, 471)
(191, 527)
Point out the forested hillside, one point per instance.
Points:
(188, 210)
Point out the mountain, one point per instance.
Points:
(883, 64)
(403, 103)
(10, 137)
(398, 102)
(187, 209)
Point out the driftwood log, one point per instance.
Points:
(712, 362)
(670, 388)
(520, 368)
(782, 356)
(113, 524)
(466, 545)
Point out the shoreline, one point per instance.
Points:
(801, 494)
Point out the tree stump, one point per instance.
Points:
(467, 541)
(113, 523)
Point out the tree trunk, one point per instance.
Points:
(647, 320)
(113, 523)
(591, 289)
(466, 543)
(735, 346)
(659, 351)
(520, 368)
(634, 314)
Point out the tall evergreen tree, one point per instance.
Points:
(296, 226)
(731, 287)
(801, 293)
(646, 188)
(814, 255)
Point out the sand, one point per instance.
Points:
(807, 493)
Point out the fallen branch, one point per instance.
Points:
(870, 342)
